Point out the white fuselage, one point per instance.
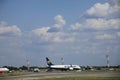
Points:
(70, 67)
(4, 70)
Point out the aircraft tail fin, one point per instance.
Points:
(49, 63)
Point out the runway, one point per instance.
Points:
(41, 75)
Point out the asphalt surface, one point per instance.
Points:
(29, 76)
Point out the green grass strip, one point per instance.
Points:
(83, 78)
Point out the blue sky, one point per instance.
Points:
(80, 31)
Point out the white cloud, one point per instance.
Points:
(97, 24)
(60, 22)
(118, 34)
(4, 29)
(2, 23)
(102, 24)
(116, 2)
(102, 10)
(67, 39)
(61, 37)
(101, 17)
(41, 31)
(57, 36)
(52, 36)
(76, 26)
(104, 36)
(70, 39)
(99, 9)
(57, 39)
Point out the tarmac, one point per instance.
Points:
(41, 75)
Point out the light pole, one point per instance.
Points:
(62, 61)
(28, 63)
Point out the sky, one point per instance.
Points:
(81, 32)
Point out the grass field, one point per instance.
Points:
(11, 74)
(82, 78)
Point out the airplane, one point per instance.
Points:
(2, 70)
(61, 67)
